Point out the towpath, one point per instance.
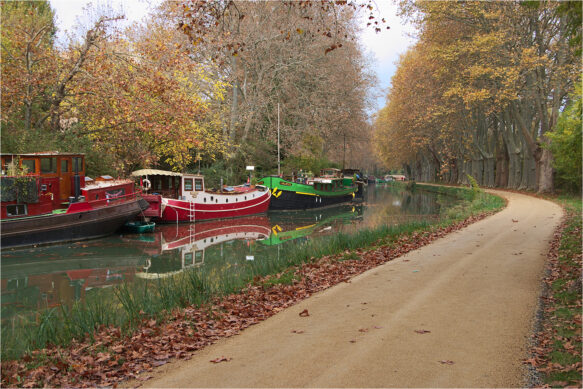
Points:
(455, 313)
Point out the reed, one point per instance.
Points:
(127, 304)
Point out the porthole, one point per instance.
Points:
(226, 200)
(245, 197)
(211, 198)
(205, 199)
(217, 201)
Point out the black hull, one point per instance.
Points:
(292, 201)
(56, 228)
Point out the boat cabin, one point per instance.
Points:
(37, 183)
(169, 185)
(331, 173)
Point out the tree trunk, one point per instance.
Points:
(545, 170)
(489, 168)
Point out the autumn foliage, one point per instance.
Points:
(479, 93)
(196, 78)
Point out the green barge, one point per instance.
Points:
(328, 189)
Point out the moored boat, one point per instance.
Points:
(182, 197)
(326, 190)
(49, 200)
(356, 176)
(139, 227)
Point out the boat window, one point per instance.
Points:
(188, 184)
(205, 199)
(227, 200)
(198, 184)
(29, 165)
(64, 165)
(211, 198)
(217, 201)
(48, 165)
(170, 179)
(245, 197)
(16, 210)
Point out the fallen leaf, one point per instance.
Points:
(297, 331)
(377, 327)
(146, 378)
(221, 359)
(363, 330)
(446, 362)
(352, 341)
(304, 313)
(422, 331)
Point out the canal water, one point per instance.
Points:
(37, 278)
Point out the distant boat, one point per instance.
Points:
(51, 200)
(356, 176)
(328, 189)
(182, 197)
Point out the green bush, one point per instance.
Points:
(565, 144)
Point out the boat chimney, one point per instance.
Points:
(76, 178)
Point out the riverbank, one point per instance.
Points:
(455, 313)
(112, 356)
(556, 358)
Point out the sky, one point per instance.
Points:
(382, 48)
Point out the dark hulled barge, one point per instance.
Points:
(46, 198)
(327, 190)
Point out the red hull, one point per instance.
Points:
(209, 206)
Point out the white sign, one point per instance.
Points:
(250, 167)
(250, 257)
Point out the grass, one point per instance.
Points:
(126, 305)
(562, 319)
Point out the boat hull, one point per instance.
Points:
(68, 227)
(221, 207)
(287, 195)
(288, 200)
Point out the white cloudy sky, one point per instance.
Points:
(385, 46)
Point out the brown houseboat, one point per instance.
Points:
(46, 198)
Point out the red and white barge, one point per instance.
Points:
(182, 197)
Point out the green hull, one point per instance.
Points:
(288, 195)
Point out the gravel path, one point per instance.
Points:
(455, 313)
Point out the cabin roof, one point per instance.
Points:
(154, 172)
(43, 154)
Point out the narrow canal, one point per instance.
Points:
(37, 278)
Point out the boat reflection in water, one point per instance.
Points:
(38, 278)
(176, 248)
(292, 226)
